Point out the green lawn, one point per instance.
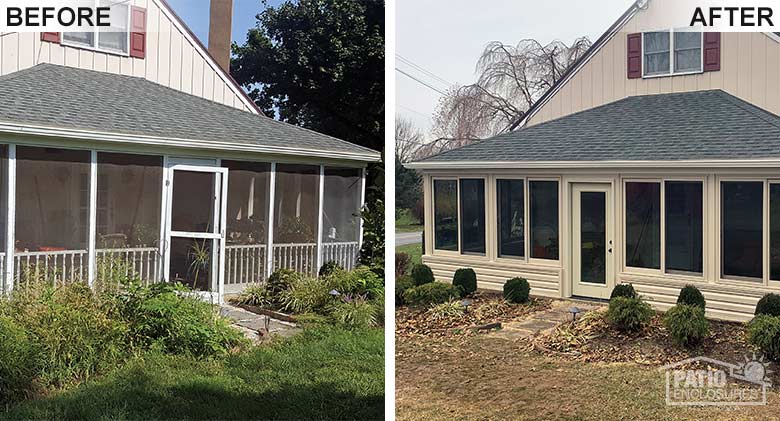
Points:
(413, 250)
(405, 222)
(321, 373)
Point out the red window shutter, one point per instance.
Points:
(634, 55)
(50, 37)
(711, 51)
(138, 32)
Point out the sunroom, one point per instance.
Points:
(104, 174)
(659, 191)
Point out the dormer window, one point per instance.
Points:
(112, 39)
(669, 53)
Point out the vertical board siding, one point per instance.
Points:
(171, 60)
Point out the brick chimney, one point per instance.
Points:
(220, 24)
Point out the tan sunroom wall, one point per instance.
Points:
(749, 66)
(172, 60)
(726, 299)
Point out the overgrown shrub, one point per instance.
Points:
(254, 295)
(360, 281)
(686, 324)
(466, 279)
(354, 312)
(18, 366)
(692, 296)
(623, 290)
(764, 332)
(281, 280)
(401, 285)
(402, 263)
(329, 267)
(629, 314)
(769, 304)
(516, 290)
(305, 295)
(422, 274)
(431, 293)
(449, 310)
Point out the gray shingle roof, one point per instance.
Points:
(700, 125)
(64, 97)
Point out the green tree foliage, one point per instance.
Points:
(408, 186)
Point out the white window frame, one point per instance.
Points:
(671, 71)
(96, 36)
(689, 276)
(526, 224)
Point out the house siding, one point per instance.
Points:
(171, 59)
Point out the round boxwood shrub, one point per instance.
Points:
(623, 290)
(764, 332)
(402, 283)
(466, 279)
(329, 267)
(692, 296)
(769, 304)
(686, 324)
(431, 293)
(422, 274)
(629, 314)
(516, 290)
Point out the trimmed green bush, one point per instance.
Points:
(401, 285)
(623, 290)
(628, 314)
(422, 274)
(516, 290)
(686, 324)
(692, 296)
(329, 267)
(431, 293)
(769, 304)
(466, 279)
(764, 332)
(17, 364)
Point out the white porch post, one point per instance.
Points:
(162, 267)
(10, 245)
(360, 207)
(91, 232)
(269, 253)
(320, 201)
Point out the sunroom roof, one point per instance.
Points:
(60, 97)
(701, 125)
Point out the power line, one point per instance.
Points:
(419, 81)
(423, 70)
(412, 110)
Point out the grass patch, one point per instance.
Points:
(405, 222)
(413, 250)
(323, 373)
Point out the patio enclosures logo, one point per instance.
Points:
(62, 15)
(703, 381)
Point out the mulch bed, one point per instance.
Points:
(486, 308)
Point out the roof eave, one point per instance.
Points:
(488, 165)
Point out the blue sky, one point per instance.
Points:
(196, 14)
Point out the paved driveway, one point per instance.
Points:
(404, 238)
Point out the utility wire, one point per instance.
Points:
(412, 110)
(419, 81)
(423, 70)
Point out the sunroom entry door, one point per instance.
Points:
(592, 242)
(195, 230)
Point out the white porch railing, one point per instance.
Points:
(51, 266)
(298, 257)
(142, 262)
(345, 254)
(244, 264)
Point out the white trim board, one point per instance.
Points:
(724, 163)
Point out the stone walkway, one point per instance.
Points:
(257, 327)
(546, 320)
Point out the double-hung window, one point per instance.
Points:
(671, 52)
(113, 39)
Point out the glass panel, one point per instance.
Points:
(445, 209)
(774, 231)
(341, 216)
(191, 262)
(643, 225)
(656, 53)
(129, 191)
(115, 37)
(593, 237)
(543, 197)
(472, 216)
(683, 225)
(296, 211)
(86, 39)
(742, 228)
(511, 218)
(192, 207)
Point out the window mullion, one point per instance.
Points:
(662, 225)
(671, 71)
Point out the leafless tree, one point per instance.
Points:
(408, 139)
(510, 78)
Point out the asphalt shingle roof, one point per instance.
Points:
(699, 125)
(64, 97)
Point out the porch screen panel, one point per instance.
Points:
(341, 216)
(683, 226)
(248, 204)
(511, 218)
(472, 215)
(643, 225)
(543, 202)
(129, 191)
(3, 212)
(52, 214)
(774, 231)
(445, 214)
(742, 208)
(296, 210)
